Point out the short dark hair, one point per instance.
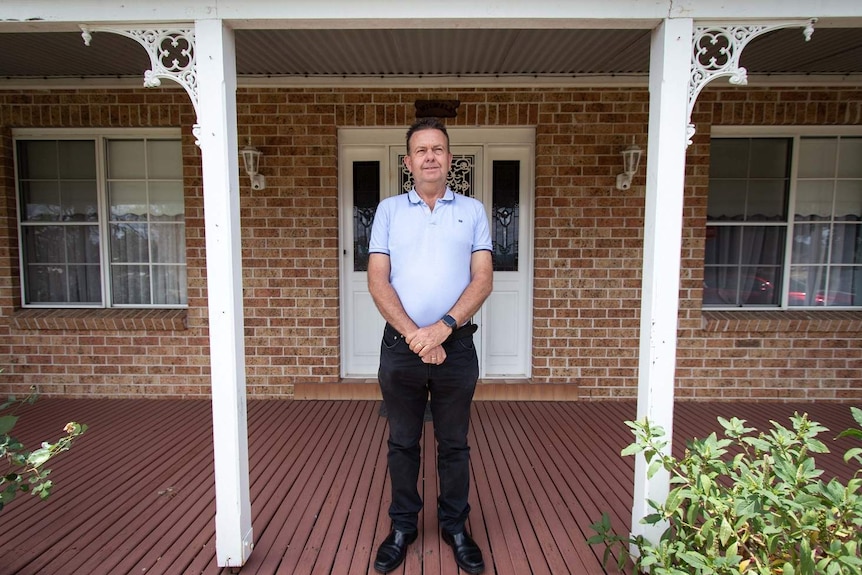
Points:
(426, 124)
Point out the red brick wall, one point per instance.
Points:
(588, 240)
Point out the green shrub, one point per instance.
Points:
(25, 470)
(746, 503)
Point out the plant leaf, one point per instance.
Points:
(7, 422)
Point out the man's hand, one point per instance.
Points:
(426, 342)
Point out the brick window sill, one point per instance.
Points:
(100, 319)
(787, 321)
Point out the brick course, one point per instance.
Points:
(587, 249)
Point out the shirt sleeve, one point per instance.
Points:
(481, 231)
(379, 241)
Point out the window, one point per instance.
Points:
(101, 220)
(784, 222)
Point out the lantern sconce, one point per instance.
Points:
(251, 159)
(631, 159)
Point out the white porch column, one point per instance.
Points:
(670, 64)
(216, 63)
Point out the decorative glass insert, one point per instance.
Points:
(460, 179)
(366, 196)
(59, 221)
(505, 190)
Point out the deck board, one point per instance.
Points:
(136, 493)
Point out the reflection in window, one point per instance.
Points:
(65, 233)
(366, 195)
(505, 189)
(826, 262)
(763, 251)
(746, 221)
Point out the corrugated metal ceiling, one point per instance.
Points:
(423, 53)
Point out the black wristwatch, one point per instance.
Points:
(449, 321)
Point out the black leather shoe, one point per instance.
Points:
(391, 552)
(468, 556)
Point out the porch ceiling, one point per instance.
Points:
(423, 53)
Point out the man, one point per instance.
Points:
(429, 271)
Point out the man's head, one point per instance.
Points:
(428, 158)
(426, 124)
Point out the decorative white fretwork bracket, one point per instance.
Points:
(715, 52)
(172, 56)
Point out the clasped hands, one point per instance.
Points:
(427, 342)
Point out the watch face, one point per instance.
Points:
(450, 321)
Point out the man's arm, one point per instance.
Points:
(384, 296)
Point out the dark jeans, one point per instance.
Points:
(406, 383)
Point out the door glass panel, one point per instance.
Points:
(506, 177)
(460, 179)
(366, 195)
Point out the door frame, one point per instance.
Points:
(505, 141)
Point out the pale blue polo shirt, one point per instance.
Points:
(429, 252)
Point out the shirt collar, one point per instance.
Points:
(414, 198)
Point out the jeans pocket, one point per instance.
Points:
(464, 344)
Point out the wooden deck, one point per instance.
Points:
(136, 494)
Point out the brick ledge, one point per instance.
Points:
(100, 319)
(790, 321)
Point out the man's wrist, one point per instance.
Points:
(449, 322)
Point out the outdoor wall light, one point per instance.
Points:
(251, 159)
(631, 159)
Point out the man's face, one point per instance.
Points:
(429, 158)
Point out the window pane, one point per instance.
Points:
(128, 201)
(817, 157)
(810, 242)
(40, 201)
(168, 243)
(845, 286)
(126, 159)
(814, 199)
(37, 159)
(846, 244)
(366, 196)
(728, 158)
(169, 285)
(738, 286)
(46, 284)
(850, 158)
(77, 160)
(767, 201)
(43, 244)
(129, 243)
(505, 213)
(79, 201)
(164, 159)
(130, 284)
(807, 286)
(848, 200)
(769, 158)
(743, 265)
(166, 201)
(82, 244)
(726, 200)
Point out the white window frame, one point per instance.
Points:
(99, 136)
(796, 133)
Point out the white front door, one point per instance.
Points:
(493, 165)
